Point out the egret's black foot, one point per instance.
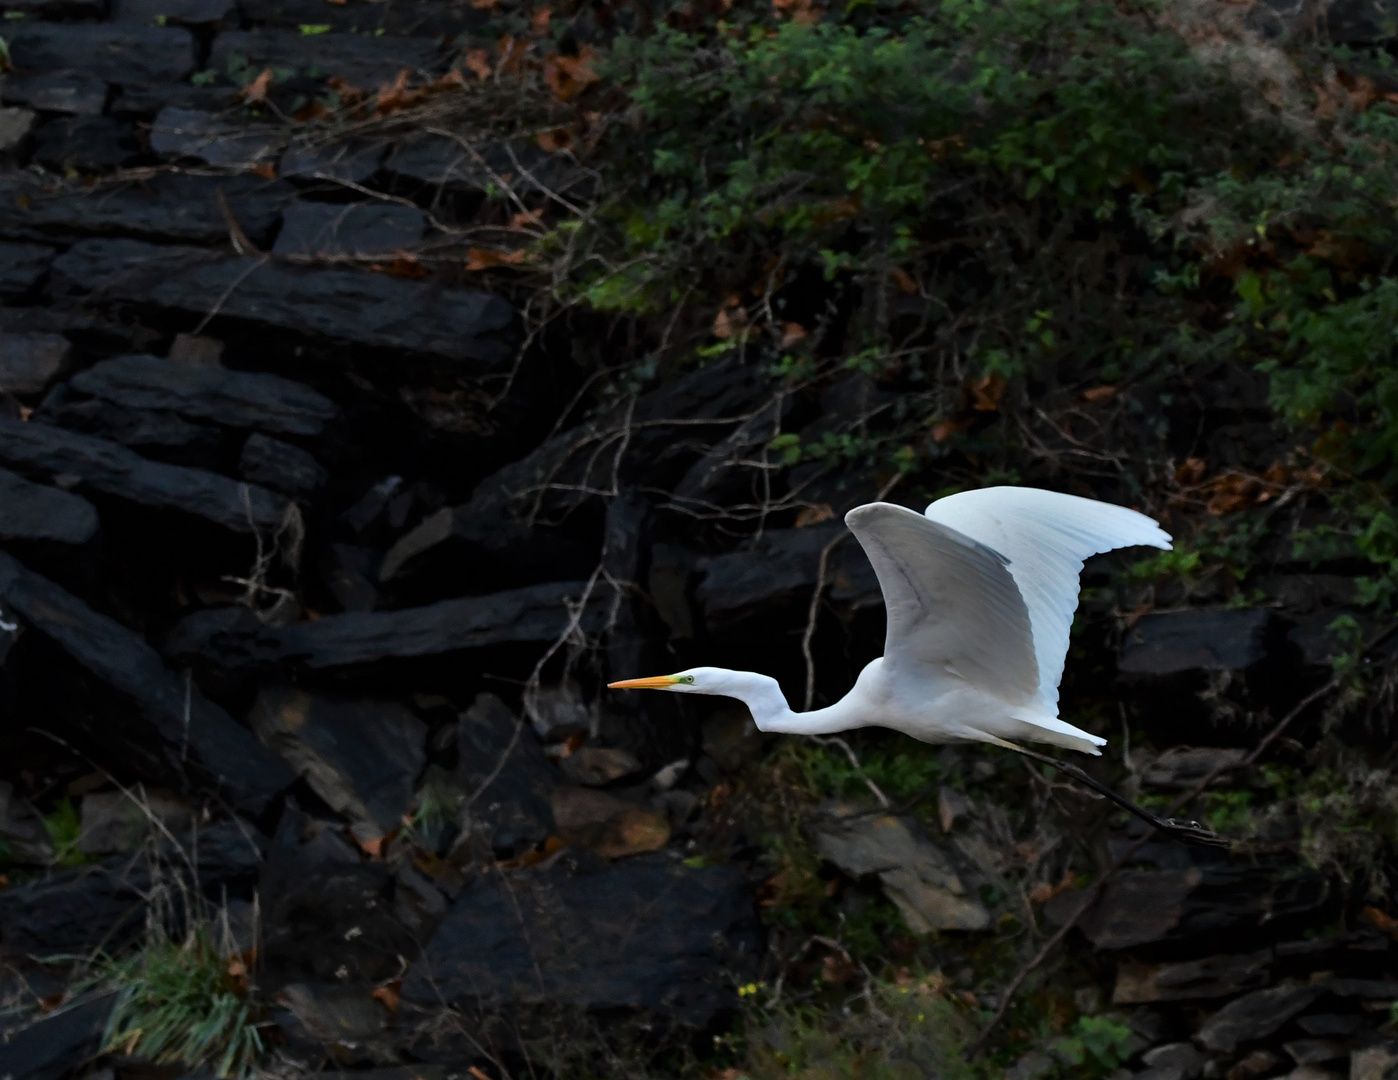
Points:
(1193, 832)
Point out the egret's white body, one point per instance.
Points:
(980, 592)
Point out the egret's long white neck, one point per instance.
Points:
(763, 696)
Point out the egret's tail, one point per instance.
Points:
(1036, 727)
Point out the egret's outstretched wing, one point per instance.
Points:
(1046, 536)
(952, 604)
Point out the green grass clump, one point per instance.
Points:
(182, 1002)
(910, 1030)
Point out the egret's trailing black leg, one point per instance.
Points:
(1185, 831)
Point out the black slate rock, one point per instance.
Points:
(215, 13)
(30, 361)
(88, 144)
(398, 18)
(118, 471)
(321, 230)
(181, 733)
(374, 310)
(784, 564)
(231, 639)
(327, 916)
(73, 92)
(209, 392)
(361, 757)
(106, 51)
(23, 266)
(364, 62)
(213, 138)
(36, 512)
(103, 905)
(1254, 1016)
(354, 161)
(645, 934)
(507, 777)
(1176, 642)
(168, 206)
(56, 1045)
(280, 465)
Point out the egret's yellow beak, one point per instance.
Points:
(655, 682)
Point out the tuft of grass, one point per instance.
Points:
(64, 827)
(186, 1003)
(905, 1030)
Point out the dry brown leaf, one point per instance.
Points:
(485, 258)
(267, 170)
(901, 278)
(943, 430)
(512, 51)
(478, 1072)
(1190, 472)
(256, 91)
(569, 76)
(986, 392)
(373, 848)
(388, 995)
(800, 11)
(1045, 892)
(814, 515)
(484, 5)
(1099, 394)
(477, 62)
(555, 140)
(1381, 920)
(792, 333)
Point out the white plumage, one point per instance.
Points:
(980, 593)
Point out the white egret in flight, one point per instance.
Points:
(980, 593)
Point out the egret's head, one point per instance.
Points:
(699, 680)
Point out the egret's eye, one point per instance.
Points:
(687, 679)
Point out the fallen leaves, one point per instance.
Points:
(478, 258)
(569, 76)
(255, 92)
(1234, 490)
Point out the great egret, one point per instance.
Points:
(980, 593)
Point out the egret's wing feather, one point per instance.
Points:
(952, 604)
(1046, 536)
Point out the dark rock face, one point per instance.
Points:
(647, 935)
(314, 890)
(342, 305)
(782, 565)
(217, 13)
(354, 161)
(280, 465)
(118, 471)
(35, 512)
(29, 362)
(443, 162)
(173, 206)
(115, 54)
(61, 92)
(1254, 1016)
(363, 62)
(180, 728)
(230, 638)
(56, 1045)
(508, 780)
(88, 144)
(208, 137)
(1205, 907)
(1187, 641)
(103, 905)
(314, 229)
(206, 392)
(22, 266)
(411, 18)
(361, 757)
